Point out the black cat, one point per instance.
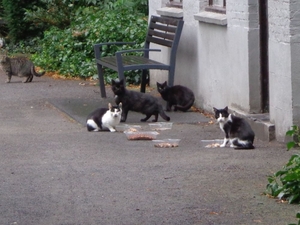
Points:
(137, 101)
(238, 131)
(181, 97)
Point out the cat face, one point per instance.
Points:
(118, 87)
(161, 86)
(115, 111)
(221, 115)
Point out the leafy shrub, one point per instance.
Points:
(56, 13)
(13, 15)
(70, 51)
(285, 183)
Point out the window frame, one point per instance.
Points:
(172, 3)
(214, 8)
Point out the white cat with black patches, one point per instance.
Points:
(238, 131)
(104, 118)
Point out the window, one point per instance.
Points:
(218, 6)
(174, 3)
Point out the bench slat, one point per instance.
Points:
(163, 27)
(168, 36)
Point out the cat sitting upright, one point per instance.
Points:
(104, 118)
(137, 101)
(19, 66)
(238, 131)
(181, 97)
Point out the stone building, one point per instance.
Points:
(242, 54)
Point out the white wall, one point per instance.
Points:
(215, 61)
(284, 65)
(221, 64)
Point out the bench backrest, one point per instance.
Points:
(164, 31)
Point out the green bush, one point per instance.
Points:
(285, 183)
(70, 51)
(13, 15)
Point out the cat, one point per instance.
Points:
(181, 97)
(19, 66)
(104, 118)
(138, 102)
(238, 131)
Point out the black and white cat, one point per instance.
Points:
(137, 101)
(104, 118)
(181, 97)
(238, 131)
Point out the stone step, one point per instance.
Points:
(264, 130)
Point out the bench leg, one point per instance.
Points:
(144, 81)
(101, 81)
(171, 77)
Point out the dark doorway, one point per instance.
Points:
(264, 55)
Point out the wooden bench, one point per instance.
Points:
(162, 31)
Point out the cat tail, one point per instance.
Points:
(36, 73)
(162, 113)
(243, 145)
(187, 106)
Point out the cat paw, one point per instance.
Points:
(112, 130)
(222, 145)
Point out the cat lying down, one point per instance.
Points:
(181, 97)
(238, 131)
(104, 118)
(137, 101)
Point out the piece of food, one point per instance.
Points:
(214, 145)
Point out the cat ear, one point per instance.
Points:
(215, 109)
(120, 105)
(113, 82)
(165, 83)
(226, 108)
(109, 106)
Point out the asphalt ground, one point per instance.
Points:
(54, 172)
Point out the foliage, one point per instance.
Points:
(295, 134)
(285, 183)
(59, 13)
(56, 13)
(13, 15)
(70, 51)
(140, 5)
(3, 27)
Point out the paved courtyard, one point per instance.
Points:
(54, 172)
